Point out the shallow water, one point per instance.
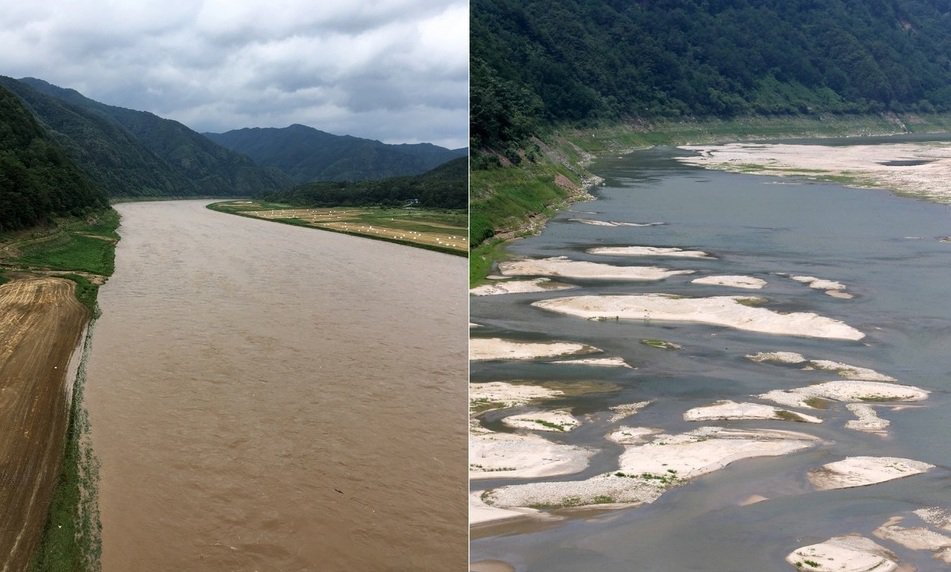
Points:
(885, 249)
(267, 397)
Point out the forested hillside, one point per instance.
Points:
(37, 179)
(445, 187)
(135, 153)
(537, 63)
(306, 154)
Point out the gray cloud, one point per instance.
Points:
(393, 70)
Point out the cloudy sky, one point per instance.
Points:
(393, 70)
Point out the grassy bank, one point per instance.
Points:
(511, 201)
(441, 230)
(82, 251)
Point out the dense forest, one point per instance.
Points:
(135, 153)
(37, 180)
(306, 154)
(444, 187)
(538, 63)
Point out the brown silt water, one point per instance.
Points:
(268, 397)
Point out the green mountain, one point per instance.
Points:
(136, 153)
(446, 186)
(37, 179)
(538, 63)
(306, 154)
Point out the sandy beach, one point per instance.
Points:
(565, 268)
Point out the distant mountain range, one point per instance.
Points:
(306, 154)
(136, 153)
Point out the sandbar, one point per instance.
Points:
(565, 268)
(917, 538)
(501, 394)
(862, 471)
(519, 287)
(597, 362)
(851, 553)
(648, 251)
(831, 287)
(482, 349)
(924, 170)
(842, 369)
(557, 420)
(732, 281)
(846, 391)
(626, 410)
(511, 455)
(727, 311)
(731, 410)
(867, 419)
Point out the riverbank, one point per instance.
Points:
(47, 307)
(512, 201)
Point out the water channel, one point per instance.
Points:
(886, 249)
(268, 397)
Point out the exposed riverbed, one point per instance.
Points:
(267, 397)
(866, 261)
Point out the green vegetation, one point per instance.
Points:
(135, 153)
(535, 64)
(86, 245)
(305, 154)
(817, 403)
(789, 416)
(37, 180)
(445, 187)
(549, 424)
(71, 537)
(433, 229)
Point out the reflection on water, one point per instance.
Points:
(886, 251)
(266, 397)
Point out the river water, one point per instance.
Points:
(888, 252)
(268, 397)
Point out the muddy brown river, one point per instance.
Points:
(268, 397)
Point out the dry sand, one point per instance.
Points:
(745, 282)
(845, 391)
(867, 165)
(500, 394)
(917, 538)
(625, 435)
(732, 410)
(832, 288)
(499, 349)
(626, 410)
(863, 471)
(520, 287)
(597, 362)
(727, 311)
(556, 420)
(613, 223)
(648, 251)
(511, 455)
(842, 369)
(867, 419)
(563, 267)
(851, 553)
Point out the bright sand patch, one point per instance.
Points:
(747, 282)
(648, 251)
(508, 455)
(867, 419)
(479, 512)
(519, 287)
(728, 311)
(597, 362)
(832, 288)
(557, 420)
(613, 223)
(625, 435)
(918, 538)
(862, 471)
(843, 369)
(563, 267)
(865, 164)
(935, 516)
(500, 394)
(735, 411)
(647, 470)
(499, 349)
(846, 391)
(844, 554)
(626, 410)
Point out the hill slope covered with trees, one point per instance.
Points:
(306, 154)
(537, 63)
(136, 153)
(37, 179)
(444, 187)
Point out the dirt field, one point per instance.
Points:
(41, 323)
